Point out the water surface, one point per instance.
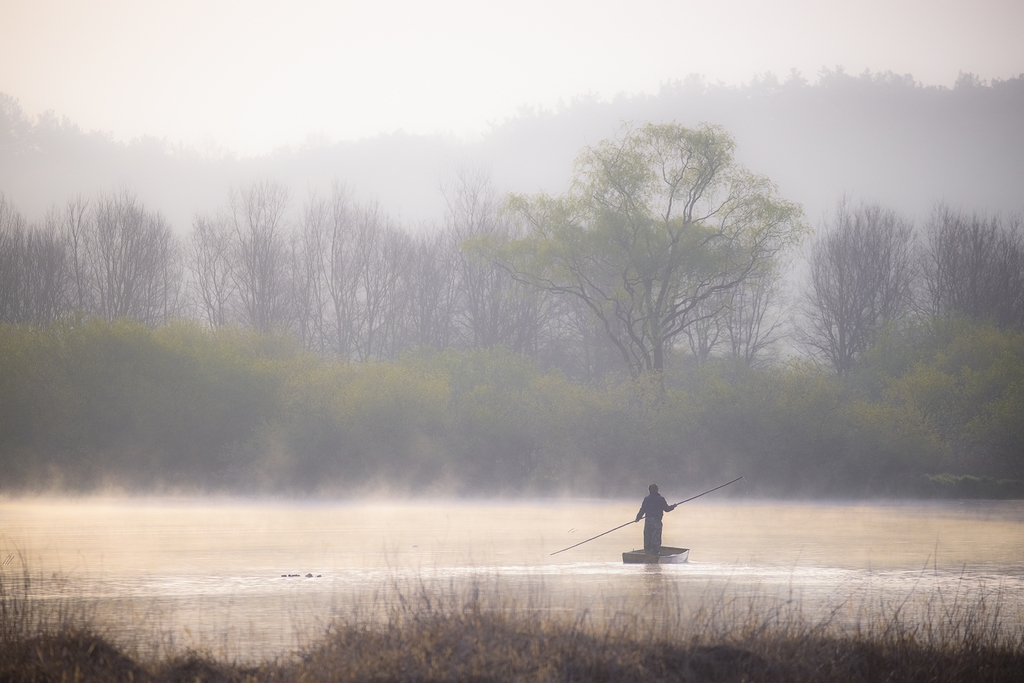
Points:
(250, 578)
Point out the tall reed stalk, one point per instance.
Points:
(443, 631)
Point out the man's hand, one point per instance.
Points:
(638, 518)
(672, 507)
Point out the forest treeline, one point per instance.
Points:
(636, 327)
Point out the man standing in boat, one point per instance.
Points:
(652, 509)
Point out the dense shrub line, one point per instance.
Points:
(89, 404)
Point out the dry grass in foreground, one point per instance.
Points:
(447, 635)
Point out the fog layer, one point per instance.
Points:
(880, 137)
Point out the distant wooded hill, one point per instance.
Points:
(876, 137)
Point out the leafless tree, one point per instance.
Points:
(973, 266)
(740, 324)
(208, 254)
(364, 288)
(132, 261)
(495, 308)
(340, 261)
(432, 290)
(357, 279)
(12, 247)
(259, 255)
(116, 260)
(577, 342)
(72, 223)
(310, 251)
(705, 331)
(44, 276)
(335, 219)
(381, 259)
(859, 279)
(753, 319)
(350, 266)
(32, 270)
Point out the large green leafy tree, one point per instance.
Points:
(654, 224)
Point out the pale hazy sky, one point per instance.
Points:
(252, 75)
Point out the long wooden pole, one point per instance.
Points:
(707, 492)
(593, 537)
(637, 520)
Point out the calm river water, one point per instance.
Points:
(231, 576)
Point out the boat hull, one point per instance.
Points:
(668, 555)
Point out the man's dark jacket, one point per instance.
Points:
(654, 507)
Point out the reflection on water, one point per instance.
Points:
(250, 579)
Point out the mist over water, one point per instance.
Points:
(248, 578)
(323, 291)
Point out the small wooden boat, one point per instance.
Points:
(668, 555)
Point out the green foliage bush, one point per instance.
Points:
(87, 404)
(117, 404)
(965, 382)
